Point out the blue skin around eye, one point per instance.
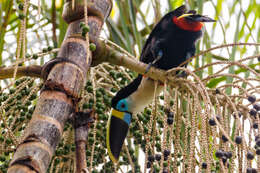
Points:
(119, 105)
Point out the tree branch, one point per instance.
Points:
(106, 53)
(103, 53)
(32, 71)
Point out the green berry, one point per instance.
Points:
(20, 6)
(92, 47)
(8, 141)
(27, 55)
(85, 29)
(35, 56)
(82, 24)
(90, 89)
(12, 90)
(83, 34)
(113, 90)
(85, 105)
(21, 16)
(44, 50)
(2, 158)
(49, 48)
(19, 96)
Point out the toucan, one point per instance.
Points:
(171, 42)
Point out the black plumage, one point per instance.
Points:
(171, 42)
(176, 45)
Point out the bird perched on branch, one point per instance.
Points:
(170, 43)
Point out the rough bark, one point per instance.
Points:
(58, 99)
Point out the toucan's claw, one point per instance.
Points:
(116, 133)
(148, 68)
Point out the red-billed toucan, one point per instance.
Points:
(170, 43)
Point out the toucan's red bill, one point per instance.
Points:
(117, 129)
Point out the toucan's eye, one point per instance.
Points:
(122, 105)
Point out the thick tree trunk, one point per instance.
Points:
(58, 100)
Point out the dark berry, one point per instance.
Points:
(170, 120)
(255, 126)
(217, 91)
(257, 151)
(257, 106)
(212, 122)
(149, 164)
(258, 142)
(238, 139)
(218, 117)
(253, 112)
(166, 153)
(254, 170)
(165, 171)
(224, 159)
(227, 165)
(249, 170)
(204, 165)
(251, 98)
(228, 154)
(170, 114)
(224, 138)
(151, 158)
(219, 153)
(250, 155)
(158, 157)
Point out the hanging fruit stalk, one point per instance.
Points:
(65, 77)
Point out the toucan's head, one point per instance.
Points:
(122, 109)
(121, 101)
(189, 21)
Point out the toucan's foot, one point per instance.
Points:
(117, 129)
(148, 68)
